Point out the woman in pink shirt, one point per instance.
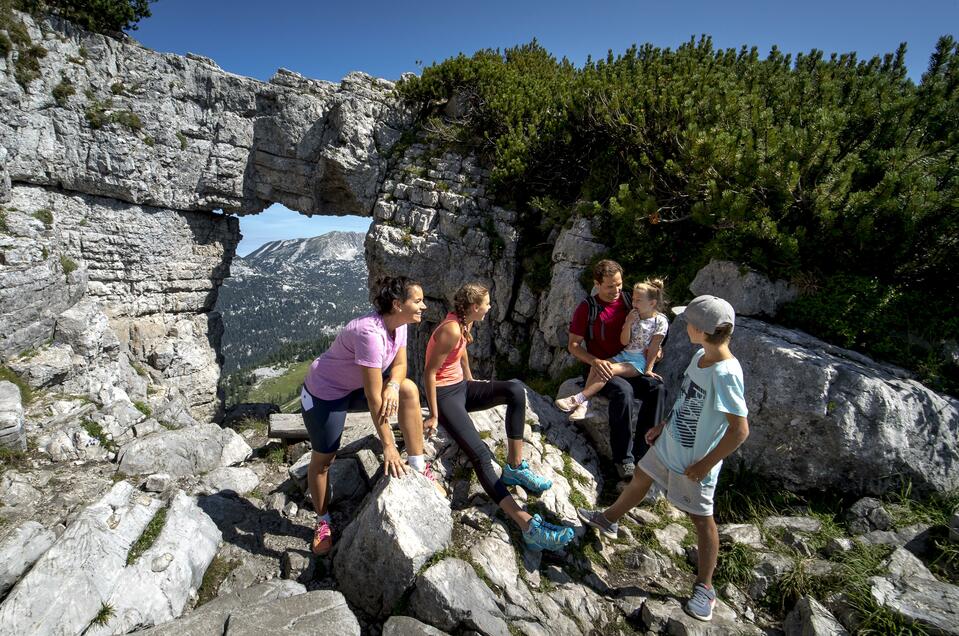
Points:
(364, 368)
(452, 393)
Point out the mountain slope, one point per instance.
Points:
(291, 291)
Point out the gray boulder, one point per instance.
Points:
(13, 434)
(866, 515)
(158, 585)
(212, 617)
(903, 563)
(574, 249)
(829, 418)
(319, 612)
(64, 590)
(404, 522)
(346, 478)
(408, 626)
(933, 605)
(750, 293)
(451, 596)
(668, 617)
(183, 452)
(229, 478)
(810, 618)
(20, 549)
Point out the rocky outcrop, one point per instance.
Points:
(179, 132)
(86, 568)
(20, 549)
(12, 431)
(932, 605)
(187, 451)
(212, 618)
(836, 419)
(750, 293)
(404, 523)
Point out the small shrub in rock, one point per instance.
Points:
(128, 119)
(68, 265)
(117, 88)
(45, 216)
(27, 67)
(149, 536)
(3, 221)
(96, 111)
(104, 614)
(63, 91)
(149, 140)
(143, 407)
(182, 138)
(5, 45)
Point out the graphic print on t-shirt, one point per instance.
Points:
(688, 408)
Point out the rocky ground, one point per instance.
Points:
(125, 515)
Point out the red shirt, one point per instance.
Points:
(604, 342)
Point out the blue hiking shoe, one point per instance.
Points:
(546, 536)
(523, 476)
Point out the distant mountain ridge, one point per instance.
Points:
(332, 246)
(291, 291)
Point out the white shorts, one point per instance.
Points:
(681, 491)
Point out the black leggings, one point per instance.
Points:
(456, 401)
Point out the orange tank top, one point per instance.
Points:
(451, 371)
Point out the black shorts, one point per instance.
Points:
(325, 419)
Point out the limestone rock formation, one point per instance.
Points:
(835, 418)
(85, 568)
(404, 523)
(20, 549)
(187, 451)
(12, 431)
(750, 293)
(213, 617)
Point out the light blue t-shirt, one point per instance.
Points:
(697, 420)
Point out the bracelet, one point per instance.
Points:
(394, 384)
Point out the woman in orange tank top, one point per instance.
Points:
(452, 393)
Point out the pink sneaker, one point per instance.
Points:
(322, 538)
(429, 474)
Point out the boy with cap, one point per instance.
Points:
(706, 423)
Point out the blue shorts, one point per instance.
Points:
(635, 358)
(325, 419)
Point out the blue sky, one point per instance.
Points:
(327, 40)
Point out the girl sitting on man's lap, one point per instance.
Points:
(643, 334)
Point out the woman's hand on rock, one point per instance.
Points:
(393, 464)
(429, 426)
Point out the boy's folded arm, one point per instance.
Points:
(735, 435)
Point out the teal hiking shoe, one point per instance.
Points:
(523, 476)
(546, 536)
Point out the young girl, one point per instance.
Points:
(452, 394)
(643, 334)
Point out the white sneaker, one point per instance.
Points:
(566, 404)
(579, 413)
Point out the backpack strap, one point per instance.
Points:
(591, 317)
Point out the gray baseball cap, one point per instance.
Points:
(708, 313)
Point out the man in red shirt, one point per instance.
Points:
(628, 445)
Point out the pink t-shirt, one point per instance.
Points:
(363, 342)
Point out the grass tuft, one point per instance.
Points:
(149, 536)
(214, 576)
(104, 614)
(143, 407)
